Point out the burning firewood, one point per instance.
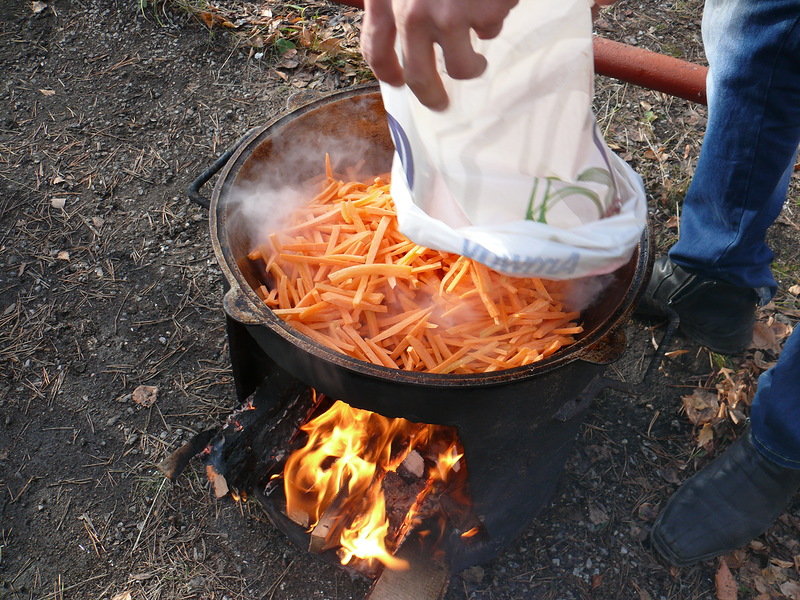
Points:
(413, 466)
(388, 480)
(218, 482)
(325, 534)
(175, 463)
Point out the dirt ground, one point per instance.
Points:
(108, 110)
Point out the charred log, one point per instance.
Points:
(256, 440)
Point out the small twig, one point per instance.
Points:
(74, 585)
(24, 568)
(275, 585)
(149, 512)
(121, 306)
(64, 516)
(92, 532)
(24, 488)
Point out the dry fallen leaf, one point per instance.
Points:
(58, 202)
(701, 406)
(783, 564)
(773, 575)
(669, 475)
(736, 389)
(791, 589)
(762, 336)
(597, 581)
(48, 92)
(145, 395)
(647, 511)
(38, 7)
(62, 255)
(737, 559)
(122, 596)
(782, 330)
(706, 435)
(208, 18)
(724, 582)
(795, 290)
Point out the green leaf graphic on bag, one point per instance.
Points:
(537, 210)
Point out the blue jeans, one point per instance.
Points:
(742, 177)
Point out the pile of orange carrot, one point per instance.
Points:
(343, 274)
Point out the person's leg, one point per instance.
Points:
(750, 144)
(775, 414)
(717, 273)
(754, 130)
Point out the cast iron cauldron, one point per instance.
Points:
(356, 116)
(516, 426)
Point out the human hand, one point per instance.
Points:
(420, 25)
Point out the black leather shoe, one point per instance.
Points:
(724, 506)
(713, 313)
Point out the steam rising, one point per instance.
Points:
(581, 293)
(260, 208)
(262, 200)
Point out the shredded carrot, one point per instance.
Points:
(342, 274)
(357, 271)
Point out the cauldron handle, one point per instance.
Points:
(601, 382)
(194, 189)
(238, 307)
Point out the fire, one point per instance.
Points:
(366, 537)
(333, 485)
(448, 461)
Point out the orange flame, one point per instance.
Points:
(341, 468)
(366, 537)
(448, 461)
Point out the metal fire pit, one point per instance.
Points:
(517, 426)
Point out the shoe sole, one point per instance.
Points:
(667, 554)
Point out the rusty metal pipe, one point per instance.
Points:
(640, 67)
(650, 69)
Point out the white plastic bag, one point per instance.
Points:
(515, 173)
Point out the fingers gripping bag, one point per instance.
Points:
(515, 173)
